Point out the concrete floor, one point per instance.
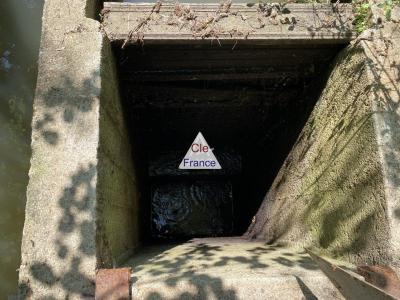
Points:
(227, 268)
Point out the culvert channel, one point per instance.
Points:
(250, 103)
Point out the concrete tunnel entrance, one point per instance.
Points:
(250, 103)
(108, 192)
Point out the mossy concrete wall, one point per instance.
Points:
(77, 217)
(332, 191)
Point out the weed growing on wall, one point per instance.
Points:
(362, 15)
(387, 6)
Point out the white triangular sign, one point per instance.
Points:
(199, 156)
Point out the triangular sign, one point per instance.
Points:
(199, 156)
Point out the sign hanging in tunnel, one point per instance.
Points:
(199, 156)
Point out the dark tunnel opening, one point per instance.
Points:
(250, 104)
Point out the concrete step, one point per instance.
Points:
(227, 268)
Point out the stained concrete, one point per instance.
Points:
(227, 268)
(298, 23)
(117, 221)
(78, 213)
(382, 48)
(72, 173)
(338, 188)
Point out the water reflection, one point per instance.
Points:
(20, 22)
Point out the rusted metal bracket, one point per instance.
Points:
(383, 277)
(348, 283)
(113, 284)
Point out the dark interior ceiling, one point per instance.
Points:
(249, 100)
(232, 96)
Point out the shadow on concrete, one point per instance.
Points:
(384, 92)
(334, 24)
(331, 230)
(338, 206)
(385, 71)
(77, 202)
(77, 199)
(308, 294)
(79, 101)
(196, 263)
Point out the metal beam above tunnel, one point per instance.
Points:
(267, 24)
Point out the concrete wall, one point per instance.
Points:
(117, 194)
(381, 46)
(332, 191)
(77, 210)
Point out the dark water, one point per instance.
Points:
(20, 22)
(192, 208)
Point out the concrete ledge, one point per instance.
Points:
(59, 236)
(280, 24)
